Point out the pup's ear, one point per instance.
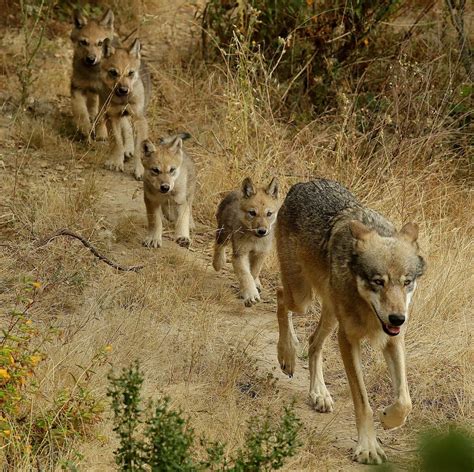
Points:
(176, 145)
(79, 19)
(358, 230)
(409, 232)
(108, 19)
(107, 47)
(148, 148)
(247, 188)
(272, 188)
(135, 48)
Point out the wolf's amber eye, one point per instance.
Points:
(155, 171)
(252, 213)
(131, 73)
(379, 282)
(113, 73)
(269, 213)
(407, 282)
(172, 170)
(84, 42)
(99, 43)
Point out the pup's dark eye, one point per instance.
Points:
(131, 73)
(83, 42)
(155, 171)
(379, 282)
(113, 73)
(269, 213)
(172, 170)
(252, 213)
(99, 43)
(407, 282)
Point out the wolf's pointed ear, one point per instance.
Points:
(247, 188)
(358, 230)
(148, 148)
(409, 232)
(79, 19)
(176, 145)
(135, 48)
(272, 188)
(107, 47)
(107, 20)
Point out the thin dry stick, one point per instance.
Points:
(66, 232)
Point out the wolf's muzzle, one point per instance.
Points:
(91, 60)
(261, 232)
(122, 91)
(164, 188)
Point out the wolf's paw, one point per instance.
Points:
(394, 415)
(138, 172)
(114, 165)
(287, 356)
(258, 285)
(250, 296)
(322, 401)
(151, 241)
(100, 134)
(127, 155)
(369, 452)
(183, 241)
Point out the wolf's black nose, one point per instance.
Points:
(164, 188)
(121, 91)
(396, 320)
(261, 231)
(90, 59)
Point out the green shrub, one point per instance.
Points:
(161, 439)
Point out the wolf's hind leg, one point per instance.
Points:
(395, 414)
(318, 392)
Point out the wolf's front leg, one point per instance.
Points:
(155, 224)
(368, 450)
(256, 262)
(141, 127)
(115, 161)
(127, 133)
(395, 414)
(248, 290)
(182, 225)
(81, 113)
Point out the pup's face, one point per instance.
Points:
(162, 164)
(258, 207)
(386, 270)
(89, 37)
(120, 68)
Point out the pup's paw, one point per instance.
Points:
(116, 165)
(127, 155)
(183, 241)
(152, 242)
(287, 356)
(322, 401)
(250, 296)
(368, 451)
(258, 285)
(138, 171)
(394, 415)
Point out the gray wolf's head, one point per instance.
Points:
(386, 270)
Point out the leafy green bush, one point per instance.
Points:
(159, 438)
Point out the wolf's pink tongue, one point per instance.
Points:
(393, 329)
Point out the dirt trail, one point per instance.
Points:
(123, 198)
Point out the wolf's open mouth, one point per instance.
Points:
(388, 329)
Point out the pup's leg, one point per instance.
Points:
(141, 127)
(248, 290)
(182, 225)
(81, 113)
(92, 102)
(318, 392)
(256, 263)
(395, 414)
(155, 224)
(368, 451)
(287, 340)
(127, 134)
(115, 161)
(222, 238)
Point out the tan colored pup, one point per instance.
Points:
(124, 96)
(88, 37)
(169, 183)
(364, 272)
(245, 218)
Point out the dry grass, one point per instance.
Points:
(195, 341)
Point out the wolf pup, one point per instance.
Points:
(169, 183)
(124, 95)
(88, 38)
(364, 272)
(246, 217)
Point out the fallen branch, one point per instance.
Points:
(66, 232)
